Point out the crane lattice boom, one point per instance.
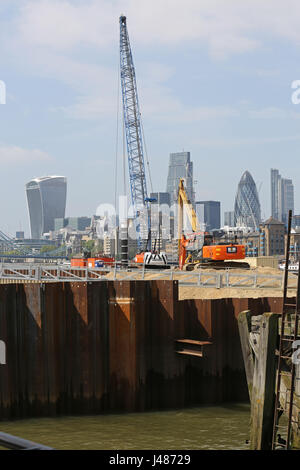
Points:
(132, 123)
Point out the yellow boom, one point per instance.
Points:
(184, 200)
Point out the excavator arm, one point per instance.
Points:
(183, 200)
(183, 241)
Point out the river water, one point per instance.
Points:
(214, 427)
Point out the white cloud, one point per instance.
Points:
(51, 38)
(236, 142)
(89, 107)
(266, 73)
(14, 154)
(62, 24)
(225, 27)
(269, 113)
(273, 113)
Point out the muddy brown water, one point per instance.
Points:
(210, 428)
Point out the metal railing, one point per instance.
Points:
(202, 278)
(7, 441)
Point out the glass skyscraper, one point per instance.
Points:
(275, 178)
(46, 198)
(282, 196)
(229, 218)
(247, 206)
(287, 199)
(162, 198)
(180, 166)
(209, 213)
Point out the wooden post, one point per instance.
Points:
(296, 411)
(244, 324)
(263, 389)
(285, 386)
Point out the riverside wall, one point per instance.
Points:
(110, 346)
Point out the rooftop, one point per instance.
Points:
(272, 221)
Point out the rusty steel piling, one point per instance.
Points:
(94, 347)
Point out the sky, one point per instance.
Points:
(214, 78)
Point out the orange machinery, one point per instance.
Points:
(214, 254)
(139, 258)
(100, 260)
(92, 262)
(78, 262)
(231, 251)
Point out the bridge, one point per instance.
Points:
(13, 249)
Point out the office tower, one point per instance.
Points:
(208, 212)
(160, 218)
(74, 223)
(79, 223)
(162, 198)
(20, 235)
(282, 196)
(275, 178)
(180, 166)
(46, 199)
(287, 199)
(247, 206)
(296, 221)
(229, 218)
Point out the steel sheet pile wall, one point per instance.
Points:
(94, 347)
(221, 376)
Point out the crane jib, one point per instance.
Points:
(132, 124)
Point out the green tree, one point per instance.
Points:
(47, 248)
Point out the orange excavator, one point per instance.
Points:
(220, 255)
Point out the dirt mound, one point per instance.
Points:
(228, 292)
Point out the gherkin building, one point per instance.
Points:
(247, 206)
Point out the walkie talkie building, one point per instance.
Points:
(247, 206)
(46, 198)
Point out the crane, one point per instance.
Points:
(133, 130)
(134, 139)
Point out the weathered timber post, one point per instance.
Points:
(296, 414)
(263, 389)
(244, 324)
(284, 389)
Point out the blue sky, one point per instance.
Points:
(214, 78)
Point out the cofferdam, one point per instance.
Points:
(118, 346)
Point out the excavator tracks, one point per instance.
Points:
(217, 265)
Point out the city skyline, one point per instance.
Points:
(231, 108)
(247, 209)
